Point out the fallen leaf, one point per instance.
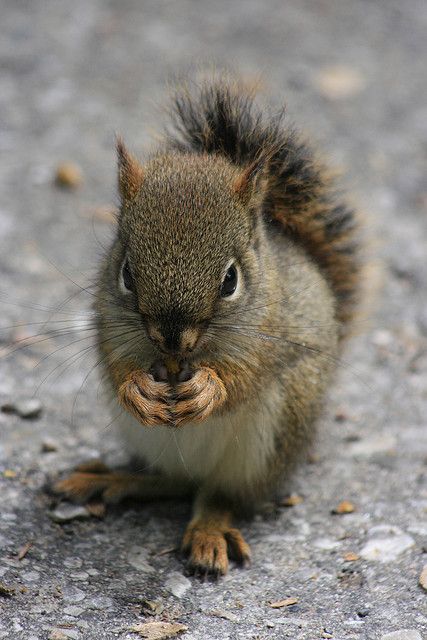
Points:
(24, 550)
(158, 630)
(423, 578)
(292, 500)
(9, 473)
(344, 507)
(351, 557)
(287, 602)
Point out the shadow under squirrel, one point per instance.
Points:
(221, 308)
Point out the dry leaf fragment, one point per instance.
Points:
(351, 557)
(153, 608)
(158, 630)
(165, 552)
(24, 550)
(96, 509)
(423, 578)
(292, 500)
(9, 473)
(344, 507)
(68, 175)
(5, 591)
(287, 602)
(225, 615)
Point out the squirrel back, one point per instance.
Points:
(221, 119)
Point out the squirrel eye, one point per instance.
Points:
(126, 280)
(229, 284)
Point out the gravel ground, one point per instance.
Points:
(353, 76)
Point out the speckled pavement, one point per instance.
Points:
(72, 74)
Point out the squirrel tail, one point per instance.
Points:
(220, 117)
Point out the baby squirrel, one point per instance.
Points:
(221, 308)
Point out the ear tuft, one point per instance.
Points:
(131, 173)
(251, 181)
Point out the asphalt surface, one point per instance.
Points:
(72, 74)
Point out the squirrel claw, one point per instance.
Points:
(208, 550)
(146, 399)
(198, 397)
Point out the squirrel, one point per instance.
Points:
(221, 309)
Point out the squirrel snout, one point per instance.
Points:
(173, 339)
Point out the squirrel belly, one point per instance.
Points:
(228, 453)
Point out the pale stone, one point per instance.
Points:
(386, 543)
(177, 584)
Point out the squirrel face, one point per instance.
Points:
(186, 256)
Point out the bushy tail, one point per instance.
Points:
(221, 117)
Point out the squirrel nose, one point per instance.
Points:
(173, 338)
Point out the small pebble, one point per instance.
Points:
(48, 446)
(68, 175)
(73, 595)
(66, 512)
(177, 584)
(28, 408)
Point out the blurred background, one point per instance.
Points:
(72, 75)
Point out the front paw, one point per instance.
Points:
(198, 397)
(210, 545)
(146, 399)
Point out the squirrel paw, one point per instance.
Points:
(85, 484)
(147, 400)
(198, 397)
(208, 549)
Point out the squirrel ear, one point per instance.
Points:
(131, 173)
(251, 183)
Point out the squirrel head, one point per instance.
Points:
(188, 258)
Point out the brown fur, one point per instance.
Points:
(227, 188)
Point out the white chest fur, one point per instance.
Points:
(226, 452)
